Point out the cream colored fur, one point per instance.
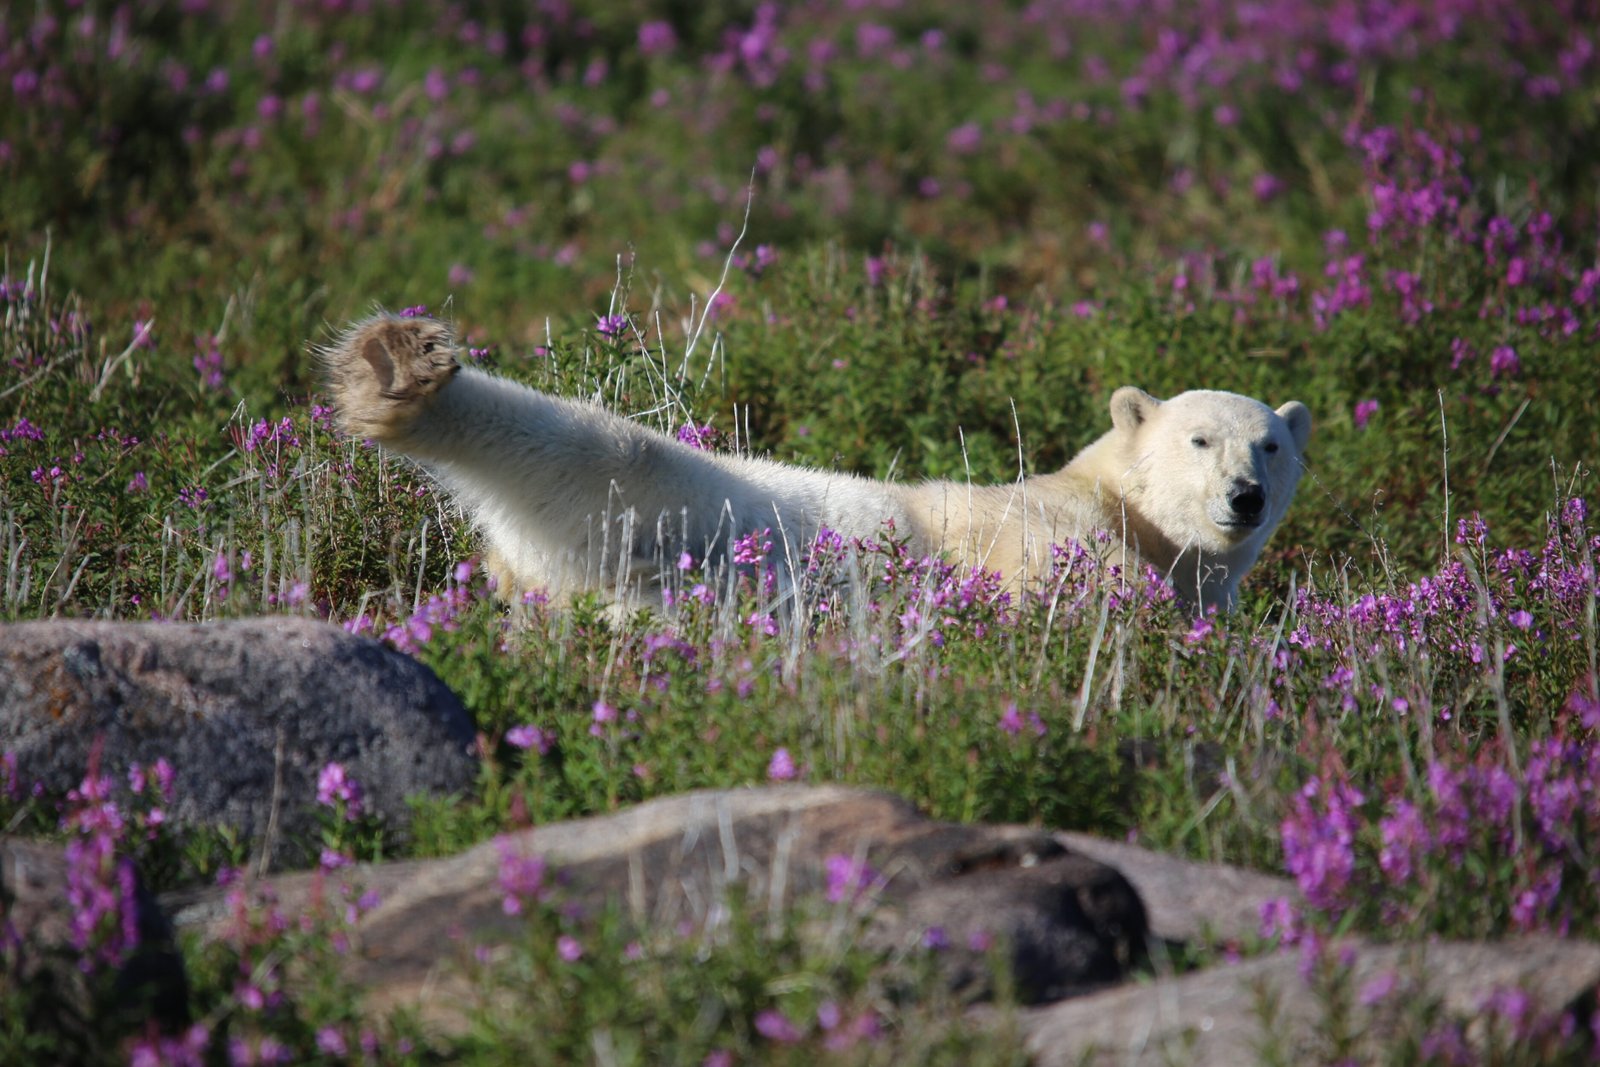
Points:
(570, 496)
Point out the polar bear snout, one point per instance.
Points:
(1247, 500)
(1240, 509)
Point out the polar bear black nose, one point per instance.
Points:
(1247, 500)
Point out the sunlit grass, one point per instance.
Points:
(920, 241)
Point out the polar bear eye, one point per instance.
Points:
(1198, 441)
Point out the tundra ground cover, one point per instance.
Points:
(952, 231)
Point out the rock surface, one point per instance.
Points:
(247, 712)
(1213, 1018)
(1073, 924)
(1188, 901)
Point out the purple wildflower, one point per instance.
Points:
(656, 38)
(1266, 187)
(781, 768)
(331, 1042)
(100, 891)
(1011, 719)
(10, 778)
(529, 736)
(701, 437)
(1405, 840)
(1280, 919)
(208, 360)
(752, 547)
(1378, 988)
(1201, 629)
(1503, 361)
(522, 878)
(1319, 841)
(848, 877)
(775, 1026)
(184, 1050)
(335, 788)
(1585, 707)
(965, 139)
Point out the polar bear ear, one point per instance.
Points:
(1298, 416)
(1130, 407)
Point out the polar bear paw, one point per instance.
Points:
(384, 371)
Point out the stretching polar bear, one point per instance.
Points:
(570, 496)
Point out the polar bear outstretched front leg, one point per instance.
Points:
(568, 495)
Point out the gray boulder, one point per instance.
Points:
(1189, 901)
(1072, 924)
(1219, 1017)
(248, 712)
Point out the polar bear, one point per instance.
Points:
(570, 497)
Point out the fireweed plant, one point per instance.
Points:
(904, 240)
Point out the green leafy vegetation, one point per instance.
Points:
(910, 241)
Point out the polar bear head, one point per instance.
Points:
(1213, 474)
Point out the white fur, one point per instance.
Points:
(571, 496)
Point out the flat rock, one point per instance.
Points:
(1213, 1018)
(247, 711)
(1072, 924)
(1188, 901)
(36, 909)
